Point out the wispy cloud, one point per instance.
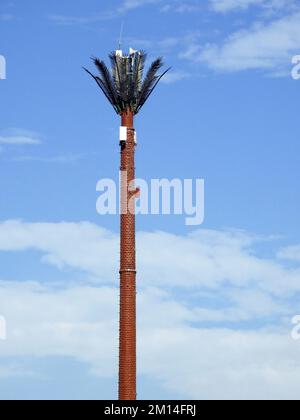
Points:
(216, 258)
(177, 6)
(126, 6)
(225, 6)
(182, 7)
(264, 46)
(166, 45)
(229, 5)
(134, 4)
(175, 76)
(291, 253)
(18, 140)
(161, 45)
(16, 137)
(60, 159)
(81, 20)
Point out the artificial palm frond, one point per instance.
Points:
(149, 82)
(106, 78)
(137, 73)
(124, 86)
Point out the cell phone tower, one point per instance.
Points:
(127, 90)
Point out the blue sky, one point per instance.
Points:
(226, 113)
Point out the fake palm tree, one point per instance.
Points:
(127, 90)
(124, 86)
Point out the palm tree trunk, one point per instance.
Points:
(127, 360)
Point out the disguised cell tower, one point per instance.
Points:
(127, 91)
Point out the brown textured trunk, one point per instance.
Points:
(127, 360)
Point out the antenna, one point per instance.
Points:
(121, 35)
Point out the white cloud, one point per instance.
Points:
(291, 253)
(60, 159)
(212, 259)
(42, 322)
(134, 4)
(181, 7)
(222, 364)
(66, 20)
(126, 6)
(205, 258)
(81, 246)
(220, 281)
(266, 47)
(224, 6)
(9, 370)
(16, 137)
(160, 46)
(177, 6)
(229, 5)
(82, 323)
(17, 141)
(175, 76)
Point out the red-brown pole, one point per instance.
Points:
(127, 360)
